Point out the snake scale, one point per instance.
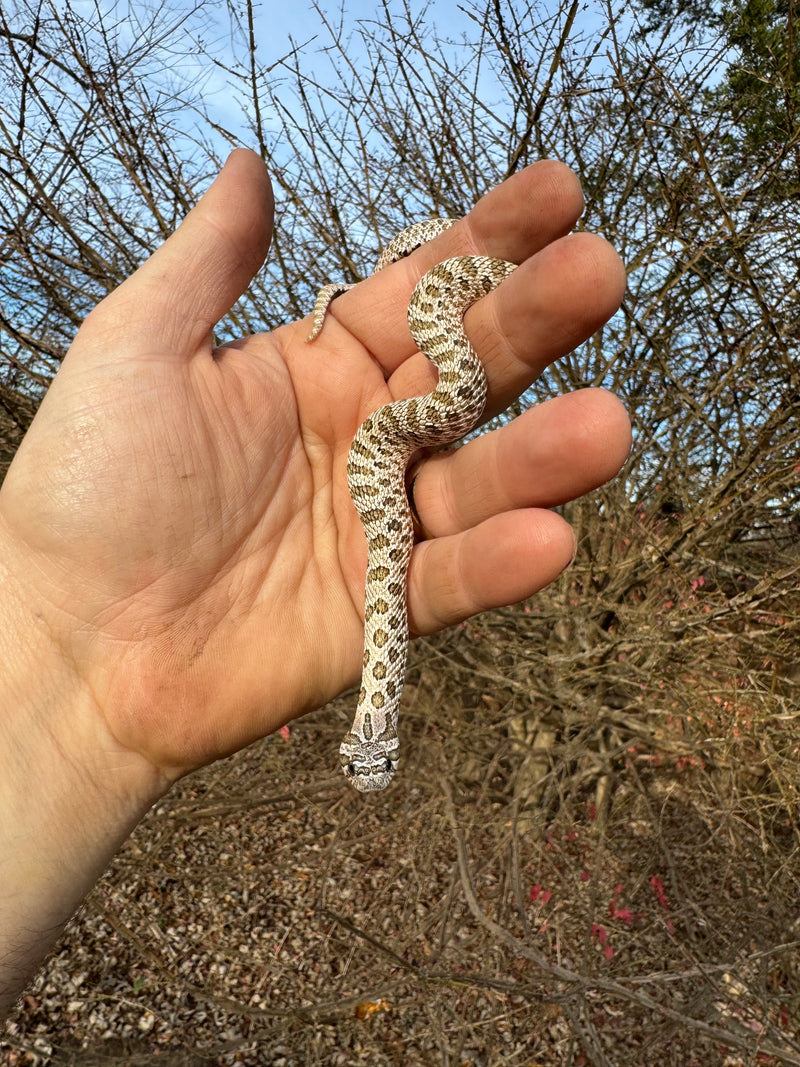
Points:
(376, 477)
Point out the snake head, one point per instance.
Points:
(369, 766)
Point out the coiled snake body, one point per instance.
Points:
(376, 473)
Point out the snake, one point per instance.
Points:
(377, 462)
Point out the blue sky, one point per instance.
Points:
(279, 26)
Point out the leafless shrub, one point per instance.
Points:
(593, 855)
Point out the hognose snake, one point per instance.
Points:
(376, 473)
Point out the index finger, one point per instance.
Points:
(513, 221)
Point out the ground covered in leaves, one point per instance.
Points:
(528, 892)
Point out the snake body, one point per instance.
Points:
(376, 474)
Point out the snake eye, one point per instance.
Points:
(350, 770)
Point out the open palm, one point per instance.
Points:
(181, 513)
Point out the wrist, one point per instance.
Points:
(69, 794)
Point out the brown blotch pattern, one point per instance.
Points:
(376, 469)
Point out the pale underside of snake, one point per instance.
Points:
(376, 477)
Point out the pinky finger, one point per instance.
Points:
(500, 561)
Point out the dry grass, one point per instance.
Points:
(608, 881)
(592, 853)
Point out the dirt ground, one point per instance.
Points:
(585, 899)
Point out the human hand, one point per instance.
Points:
(181, 566)
(178, 517)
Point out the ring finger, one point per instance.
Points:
(552, 453)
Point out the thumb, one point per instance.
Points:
(174, 300)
